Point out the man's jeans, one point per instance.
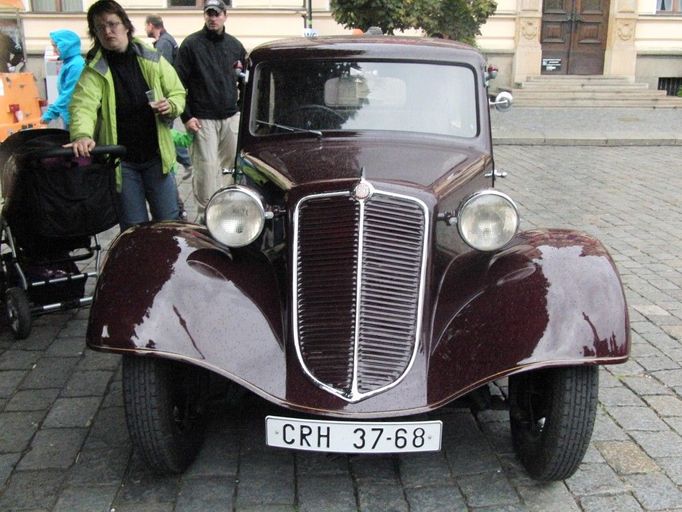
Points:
(182, 156)
(146, 182)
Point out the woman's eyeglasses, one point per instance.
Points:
(112, 26)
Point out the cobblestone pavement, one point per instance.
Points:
(64, 446)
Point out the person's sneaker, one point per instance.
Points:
(188, 173)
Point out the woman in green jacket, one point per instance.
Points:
(110, 106)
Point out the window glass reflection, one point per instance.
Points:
(350, 95)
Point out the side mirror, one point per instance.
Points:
(503, 101)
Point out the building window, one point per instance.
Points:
(57, 5)
(668, 6)
(193, 3)
(671, 85)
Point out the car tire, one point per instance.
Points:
(552, 413)
(165, 411)
(18, 311)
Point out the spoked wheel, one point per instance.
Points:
(552, 414)
(18, 311)
(165, 411)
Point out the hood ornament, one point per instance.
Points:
(363, 190)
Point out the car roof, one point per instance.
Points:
(368, 47)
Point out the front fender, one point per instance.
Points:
(554, 297)
(167, 288)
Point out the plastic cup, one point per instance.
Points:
(151, 96)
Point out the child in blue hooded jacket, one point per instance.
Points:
(67, 45)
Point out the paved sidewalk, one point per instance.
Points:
(590, 127)
(64, 446)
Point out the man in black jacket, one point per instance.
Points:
(165, 44)
(208, 64)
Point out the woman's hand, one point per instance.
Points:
(162, 107)
(81, 147)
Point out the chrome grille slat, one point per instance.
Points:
(397, 286)
(357, 318)
(326, 289)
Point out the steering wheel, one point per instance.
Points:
(310, 112)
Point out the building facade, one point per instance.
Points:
(639, 39)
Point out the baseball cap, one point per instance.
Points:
(215, 5)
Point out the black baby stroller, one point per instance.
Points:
(54, 206)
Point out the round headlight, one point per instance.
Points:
(235, 216)
(487, 220)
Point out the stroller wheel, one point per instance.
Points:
(18, 312)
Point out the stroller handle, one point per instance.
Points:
(114, 151)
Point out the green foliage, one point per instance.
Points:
(679, 91)
(460, 20)
(390, 15)
(455, 19)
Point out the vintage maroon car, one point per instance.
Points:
(361, 269)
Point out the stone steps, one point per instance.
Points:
(536, 86)
(589, 91)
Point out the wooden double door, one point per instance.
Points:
(573, 36)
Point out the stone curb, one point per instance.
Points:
(599, 141)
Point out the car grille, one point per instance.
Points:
(357, 289)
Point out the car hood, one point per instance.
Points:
(419, 162)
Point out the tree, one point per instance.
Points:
(455, 19)
(460, 20)
(390, 15)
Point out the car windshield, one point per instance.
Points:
(319, 95)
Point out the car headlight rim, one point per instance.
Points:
(501, 218)
(235, 216)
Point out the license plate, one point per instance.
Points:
(353, 437)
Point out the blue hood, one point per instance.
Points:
(68, 43)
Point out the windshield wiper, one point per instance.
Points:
(289, 128)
